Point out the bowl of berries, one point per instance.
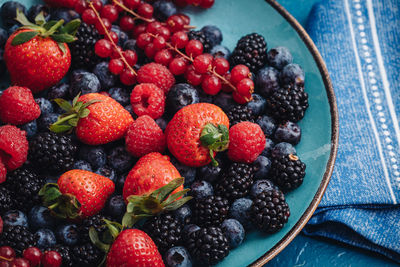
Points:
(158, 133)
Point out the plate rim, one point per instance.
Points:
(277, 248)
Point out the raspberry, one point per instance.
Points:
(144, 136)
(13, 147)
(3, 173)
(246, 142)
(17, 106)
(157, 74)
(148, 99)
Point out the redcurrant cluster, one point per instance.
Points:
(201, 3)
(31, 257)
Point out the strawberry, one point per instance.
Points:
(134, 248)
(196, 132)
(98, 119)
(77, 194)
(13, 147)
(17, 106)
(37, 56)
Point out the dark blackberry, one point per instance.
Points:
(18, 237)
(96, 221)
(210, 211)
(251, 50)
(65, 253)
(82, 50)
(200, 36)
(236, 181)
(25, 185)
(165, 231)
(269, 211)
(52, 152)
(287, 172)
(238, 114)
(288, 103)
(6, 201)
(208, 245)
(86, 255)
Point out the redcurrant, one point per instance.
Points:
(98, 5)
(127, 23)
(239, 72)
(110, 12)
(132, 4)
(7, 252)
(150, 51)
(207, 3)
(175, 23)
(239, 98)
(138, 29)
(100, 27)
(130, 57)
(179, 39)
(225, 86)
(33, 255)
(116, 52)
(80, 6)
(245, 87)
(127, 77)
(186, 18)
(221, 65)
(159, 43)
(89, 17)
(20, 262)
(145, 10)
(163, 57)
(103, 48)
(178, 66)
(211, 84)
(116, 66)
(114, 37)
(51, 259)
(143, 40)
(194, 48)
(203, 63)
(192, 76)
(153, 26)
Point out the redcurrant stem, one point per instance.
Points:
(111, 40)
(136, 15)
(5, 259)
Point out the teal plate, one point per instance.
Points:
(318, 146)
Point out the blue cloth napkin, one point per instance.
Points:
(360, 43)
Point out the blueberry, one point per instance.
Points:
(261, 167)
(257, 105)
(201, 189)
(58, 91)
(122, 96)
(85, 82)
(164, 9)
(8, 12)
(36, 9)
(63, 13)
(122, 36)
(130, 44)
(115, 207)
(282, 149)
(178, 257)
(269, 145)
(108, 172)
(224, 101)
(181, 95)
(30, 128)
(162, 122)
(220, 51)
(3, 37)
(289, 132)
(279, 57)
(267, 124)
(120, 181)
(120, 159)
(45, 238)
(188, 229)
(82, 165)
(260, 186)
(209, 172)
(187, 172)
(68, 234)
(44, 121)
(183, 214)
(45, 105)
(95, 155)
(233, 231)
(292, 74)
(204, 98)
(15, 217)
(213, 34)
(12, 29)
(267, 81)
(40, 217)
(240, 211)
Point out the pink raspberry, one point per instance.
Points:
(148, 99)
(13, 147)
(157, 74)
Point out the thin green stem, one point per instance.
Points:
(65, 119)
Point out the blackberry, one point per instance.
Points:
(288, 103)
(210, 211)
(269, 211)
(96, 221)
(65, 253)
(18, 237)
(82, 50)
(6, 201)
(52, 152)
(238, 114)
(236, 181)
(208, 245)
(25, 185)
(165, 231)
(287, 172)
(86, 255)
(200, 36)
(251, 50)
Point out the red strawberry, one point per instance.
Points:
(17, 106)
(144, 136)
(79, 194)
(61, 3)
(150, 173)
(13, 147)
(148, 99)
(157, 74)
(246, 142)
(186, 129)
(38, 58)
(134, 248)
(98, 119)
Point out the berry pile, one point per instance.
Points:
(148, 99)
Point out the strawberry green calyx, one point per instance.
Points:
(75, 111)
(161, 200)
(61, 205)
(215, 138)
(56, 30)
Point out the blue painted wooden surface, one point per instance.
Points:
(306, 251)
